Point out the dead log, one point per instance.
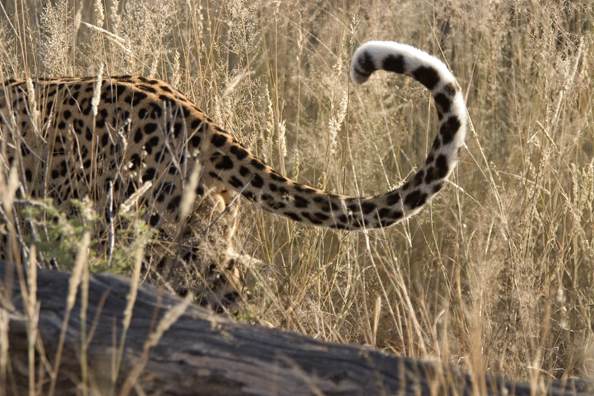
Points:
(205, 354)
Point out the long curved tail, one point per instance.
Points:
(282, 196)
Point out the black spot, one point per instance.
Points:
(155, 220)
(353, 204)
(441, 167)
(225, 163)
(365, 66)
(450, 89)
(130, 189)
(105, 139)
(300, 202)
(142, 114)
(449, 129)
(239, 152)
(178, 128)
(437, 187)
(392, 198)
(321, 216)
(147, 88)
(397, 215)
(276, 205)
(87, 164)
(87, 110)
(257, 164)
(67, 114)
(174, 202)
(368, 207)
(235, 182)
(430, 159)
(148, 146)
(156, 111)
(415, 199)
(150, 128)
(272, 187)
(325, 204)
(418, 179)
(387, 223)
(25, 150)
(383, 212)
(249, 195)
(243, 171)
(166, 99)
(311, 218)
(185, 111)
(443, 102)
(427, 76)
(292, 216)
(215, 176)
(89, 134)
(436, 143)
(135, 160)
(135, 98)
(218, 140)
(119, 89)
(164, 190)
(196, 123)
(159, 155)
(394, 63)
(99, 123)
(199, 190)
(195, 141)
(257, 181)
(431, 175)
(28, 175)
(278, 177)
(138, 135)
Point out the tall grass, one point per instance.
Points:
(496, 274)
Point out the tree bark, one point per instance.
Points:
(201, 353)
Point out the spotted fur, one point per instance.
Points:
(143, 130)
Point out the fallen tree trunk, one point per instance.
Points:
(200, 353)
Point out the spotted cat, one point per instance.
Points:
(108, 138)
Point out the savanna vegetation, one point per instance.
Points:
(495, 275)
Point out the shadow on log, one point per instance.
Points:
(203, 354)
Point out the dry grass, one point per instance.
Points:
(497, 273)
